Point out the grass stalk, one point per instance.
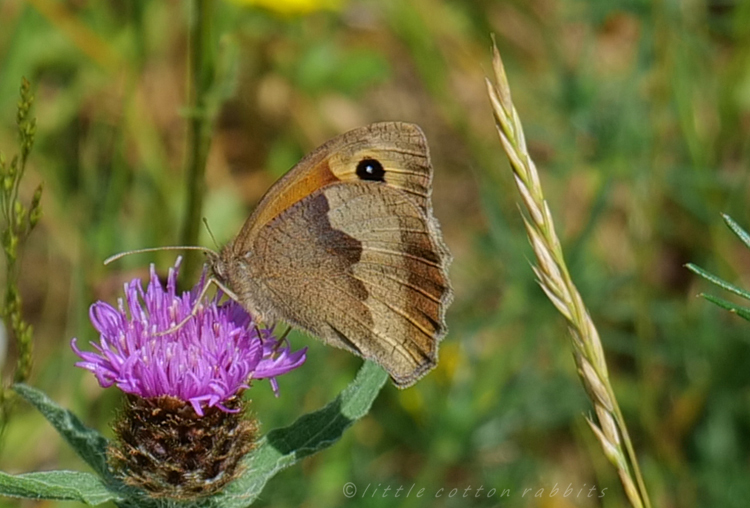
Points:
(17, 222)
(552, 274)
(201, 67)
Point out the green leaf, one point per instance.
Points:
(737, 229)
(278, 450)
(312, 432)
(718, 281)
(743, 312)
(64, 485)
(88, 443)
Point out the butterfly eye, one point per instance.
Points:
(370, 169)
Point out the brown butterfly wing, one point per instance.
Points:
(400, 147)
(361, 266)
(352, 257)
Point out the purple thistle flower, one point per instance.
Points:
(205, 362)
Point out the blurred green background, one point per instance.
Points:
(637, 114)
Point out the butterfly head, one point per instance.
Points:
(217, 266)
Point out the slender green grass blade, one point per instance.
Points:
(737, 229)
(718, 281)
(743, 312)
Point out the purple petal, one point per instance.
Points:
(206, 361)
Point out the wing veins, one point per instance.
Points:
(407, 284)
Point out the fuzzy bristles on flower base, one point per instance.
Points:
(166, 449)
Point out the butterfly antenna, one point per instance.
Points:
(284, 335)
(210, 233)
(282, 340)
(156, 249)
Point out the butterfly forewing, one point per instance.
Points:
(345, 246)
(401, 150)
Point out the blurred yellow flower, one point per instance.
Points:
(292, 7)
(450, 358)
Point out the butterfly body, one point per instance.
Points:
(345, 247)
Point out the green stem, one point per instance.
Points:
(200, 81)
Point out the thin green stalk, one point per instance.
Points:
(554, 278)
(17, 223)
(202, 70)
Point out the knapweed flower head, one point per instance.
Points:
(183, 431)
(204, 361)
